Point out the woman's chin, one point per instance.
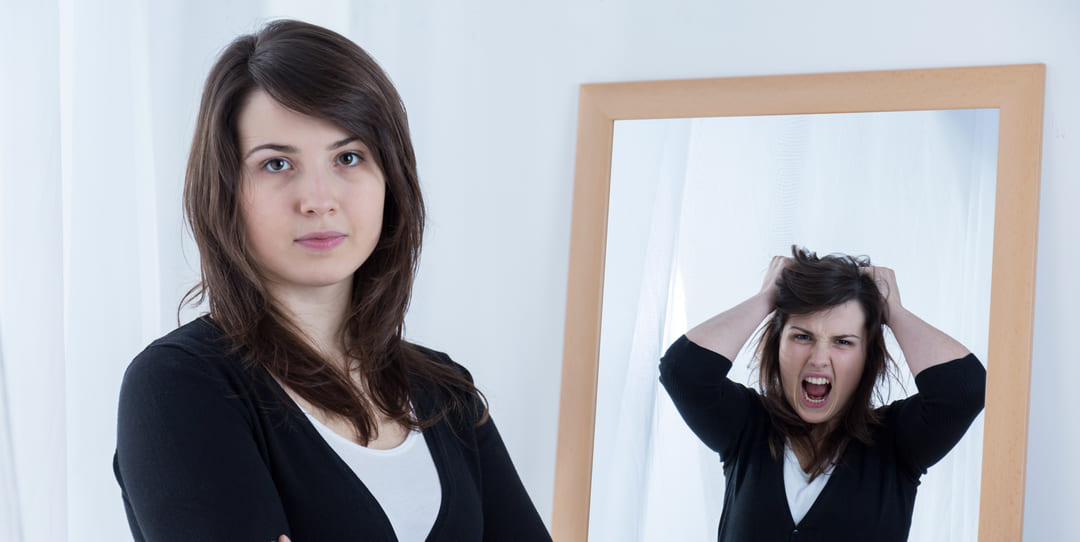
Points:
(813, 406)
(311, 285)
(814, 412)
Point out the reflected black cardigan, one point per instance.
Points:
(871, 492)
(208, 450)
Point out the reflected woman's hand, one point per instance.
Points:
(727, 332)
(885, 279)
(283, 538)
(776, 265)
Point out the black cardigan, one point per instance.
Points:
(208, 450)
(871, 492)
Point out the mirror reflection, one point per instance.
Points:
(697, 209)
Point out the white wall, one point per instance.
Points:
(491, 87)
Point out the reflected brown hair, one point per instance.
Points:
(807, 285)
(321, 74)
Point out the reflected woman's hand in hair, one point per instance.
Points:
(885, 279)
(283, 538)
(923, 345)
(768, 286)
(727, 332)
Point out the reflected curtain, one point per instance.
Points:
(913, 190)
(10, 519)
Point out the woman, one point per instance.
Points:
(294, 408)
(808, 457)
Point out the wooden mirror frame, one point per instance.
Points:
(1017, 91)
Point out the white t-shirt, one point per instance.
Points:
(402, 479)
(801, 492)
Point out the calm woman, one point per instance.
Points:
(808, 456)
(295, 409)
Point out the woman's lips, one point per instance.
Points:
(812, 403)
(815, 391)
(321, 240)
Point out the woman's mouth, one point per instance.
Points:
(815, 391)
(321, 240)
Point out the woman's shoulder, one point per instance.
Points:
(194, 352)
(437, 358)
(960, 380)
(444, 385)
(198, 335)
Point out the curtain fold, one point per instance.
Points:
(31, 273)
(10, 518)
(624, 432)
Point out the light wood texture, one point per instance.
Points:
(1017, 91)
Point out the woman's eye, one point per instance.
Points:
(276, 164)
(843, 342)
(801, 337)
(350, 158)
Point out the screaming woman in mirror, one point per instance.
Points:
(295, 409)
(808, 456)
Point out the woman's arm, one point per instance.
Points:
(694, 371)
(187, 461)
(929, 423)
(727, 332)
(509, 513)
(951, 382)
(923, 344)
(505, 507)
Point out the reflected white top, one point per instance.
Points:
(801, 492)
(403, 479)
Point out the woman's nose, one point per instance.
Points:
(316, 195)
(819, 355)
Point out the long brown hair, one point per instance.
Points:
(319, 73)
(810, 284)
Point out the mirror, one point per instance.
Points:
(1012, 94)
(697, 209)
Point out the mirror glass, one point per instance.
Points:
(697, 209)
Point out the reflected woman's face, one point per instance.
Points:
(822, 355)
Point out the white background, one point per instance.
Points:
(491, 88)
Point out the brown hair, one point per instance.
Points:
(810, 284)
(319, 73)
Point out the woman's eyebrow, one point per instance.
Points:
(847, 336)
(289, 149)
(841, 336)
(272, 146)
(342, 143)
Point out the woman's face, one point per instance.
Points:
(312, 198)
(822, 355)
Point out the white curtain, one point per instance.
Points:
(10, 519)
(913, 190)
(31, 275)
(650, 222)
